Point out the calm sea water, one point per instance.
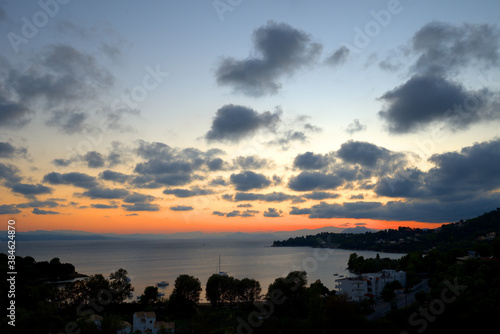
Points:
(151, 261)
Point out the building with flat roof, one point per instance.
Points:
(368, 285)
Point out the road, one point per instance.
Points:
(381, 307)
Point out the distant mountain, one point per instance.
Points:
(358, 230)
(42, 235)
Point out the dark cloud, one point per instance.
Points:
(307, 181)
(184, 193)
(233, 123)
(69, 121)
(117, 154)
(30, 190)
(355, 126)
(110, 175)
(217, 182)
(274, 213)
(216, 164)
(7, 150)
(271, 197)
(181, 208)
(444, 47)
(423, 100)
(13, 114)
(251, 162)
(8, 209)
(38, 204)
(297, 211)
(363, 153)
(359, 196)
(9, 173)
(105, 193)
(249, 180)
(74, 178)
(94, 159)
(282, 51)
(244, 205)
(154, 150)
(311, 161)
(141, 207)
(61, 162)
(286, 139)
(38, 211)
(320, 195)
(138, 198)
(339, 57)
(236, 213)
(103, 206)
(218, 213)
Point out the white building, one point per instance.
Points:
(146, 323)
(369, 285)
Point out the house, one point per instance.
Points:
(369, 285)
(145, 322)
(125, 328)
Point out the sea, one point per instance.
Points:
(152, 261)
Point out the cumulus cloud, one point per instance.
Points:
(141, 207)
(8, 209)
(30, 190)
(423, 100)
(281, 50)
(38, 211)
(339, 57)
(249, 180)
(68, 120)
(307, 181)
(236, 213)
(363, 153)
(181, 208)
(61, 162)
(76, 179)
(105, 193)
(38, 204)
(110, 175)
(251, 162)
(311, 161)
(7, 150)
(233, 123)
(273, 213)
(103, 206)
(13, 114)
(9, 173)
(270, 197)
(355, 126)
(94, 159)
(444, 47)
(184, 193)
(138, 198)
(320, 195)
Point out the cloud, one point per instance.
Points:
(282, 51)
(103, 206)
(38, 211)
(7, 150)
(184, 193)
(320, 195)
(94, 159)
(216, 164)
(105, 193)
(74, 178)
(69, 120)
(286, 138)
(339, 57)
(311, 161)
(249, 180)
(38, 204)
(9, 173)
(236, 213)
(244, 205)
(363, 153)
(217, 182)
(181, 208)
(307, 181)
(233, 123)
(110, 175)
(61, 162)
(423, 100)
(8, 209)
(141, 207)
(271, 197)
(359, 196)
(12, 114)
(30, 190)
(297, 211)
(444, 47)
(251, 162)
(138, 198)
(355, 126)
(273, 213)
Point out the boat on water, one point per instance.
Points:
(221, 273)
(335, 274)
(162, 283)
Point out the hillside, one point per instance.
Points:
(404, 240)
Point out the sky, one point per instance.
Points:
(236, 115)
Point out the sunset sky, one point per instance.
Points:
(238, 115)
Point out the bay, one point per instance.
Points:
(151, 261)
